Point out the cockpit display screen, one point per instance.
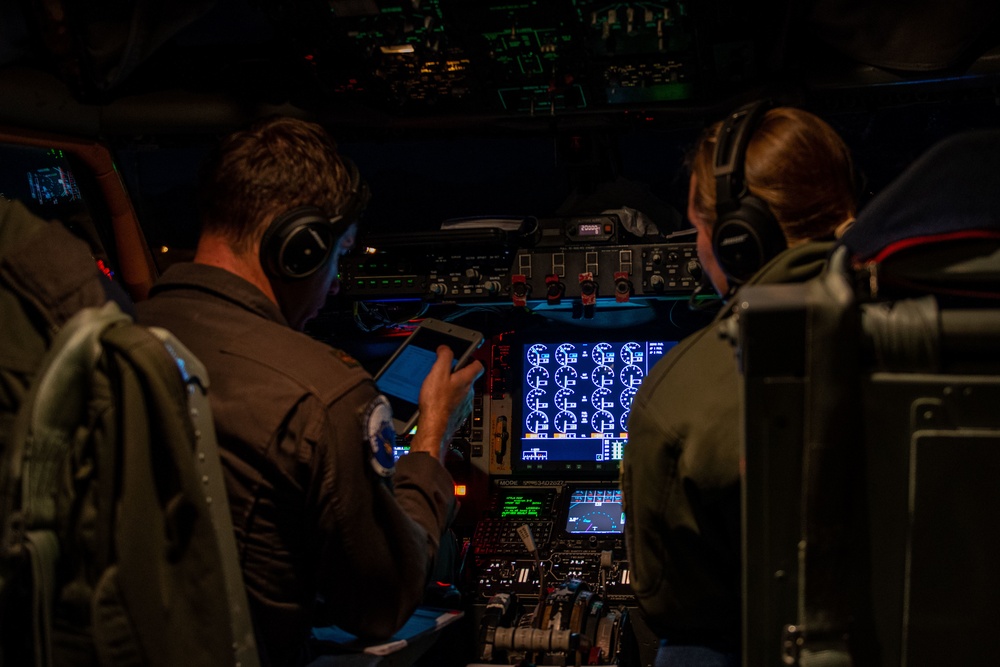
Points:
(595, 511)
(576, 398)
(523, 506)
(40, 177)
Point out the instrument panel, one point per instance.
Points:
(537, 57)
(544, 556)
(548, 576)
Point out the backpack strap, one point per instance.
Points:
(42, 550)
(29, 481)
(207, 462)
(163, 530)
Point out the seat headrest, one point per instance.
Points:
(952, 189)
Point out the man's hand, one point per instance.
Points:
(445, 402)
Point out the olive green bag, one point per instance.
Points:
(116, 545)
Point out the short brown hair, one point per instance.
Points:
(797, 164)
(277, 164)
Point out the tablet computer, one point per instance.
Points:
(403, 374)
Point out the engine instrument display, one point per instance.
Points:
(576, 398)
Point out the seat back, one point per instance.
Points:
(872, 438)
(116, 543)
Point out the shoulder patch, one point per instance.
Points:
(378, 428)
(347, 359)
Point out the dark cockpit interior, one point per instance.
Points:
(527, 164)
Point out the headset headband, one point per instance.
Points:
(731, 152)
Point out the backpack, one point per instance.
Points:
(116, 544)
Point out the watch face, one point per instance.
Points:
(381, 435)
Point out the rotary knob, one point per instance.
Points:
(694, 269)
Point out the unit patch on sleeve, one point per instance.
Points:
(381, 435)
(347, 359)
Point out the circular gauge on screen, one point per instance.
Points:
(631, 353)
(624, 420)
(535, 355)
(566, 376)
(537, 377)
(626, 397)
(535, 399)
(536, 422)
(601, 399)
(602, 421)
(566, 354)
(603, 354)
(564, 399)
(631, 376)
(603, 376)
(565, 422)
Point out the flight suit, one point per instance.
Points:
(681, 479)
(325, 536)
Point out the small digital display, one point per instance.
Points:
(576, 398)
(53, 185)
(400, 450)
(522, 505)
(595, 511)
(40, 177)
(589, 229)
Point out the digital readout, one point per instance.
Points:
(520, 505)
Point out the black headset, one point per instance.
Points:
(746, 234)
(300, 241)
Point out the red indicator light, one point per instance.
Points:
(105, 269)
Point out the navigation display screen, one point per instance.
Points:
(595, 511)
(576, 398)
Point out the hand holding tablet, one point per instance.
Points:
(402, 376)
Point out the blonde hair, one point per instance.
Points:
(797, 164)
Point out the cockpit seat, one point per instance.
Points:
(871, 404)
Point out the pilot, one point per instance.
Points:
(770, 189)
(329, 529)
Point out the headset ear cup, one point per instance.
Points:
(746, 234)
(746, 239)
(296, 243)
(300, 241)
